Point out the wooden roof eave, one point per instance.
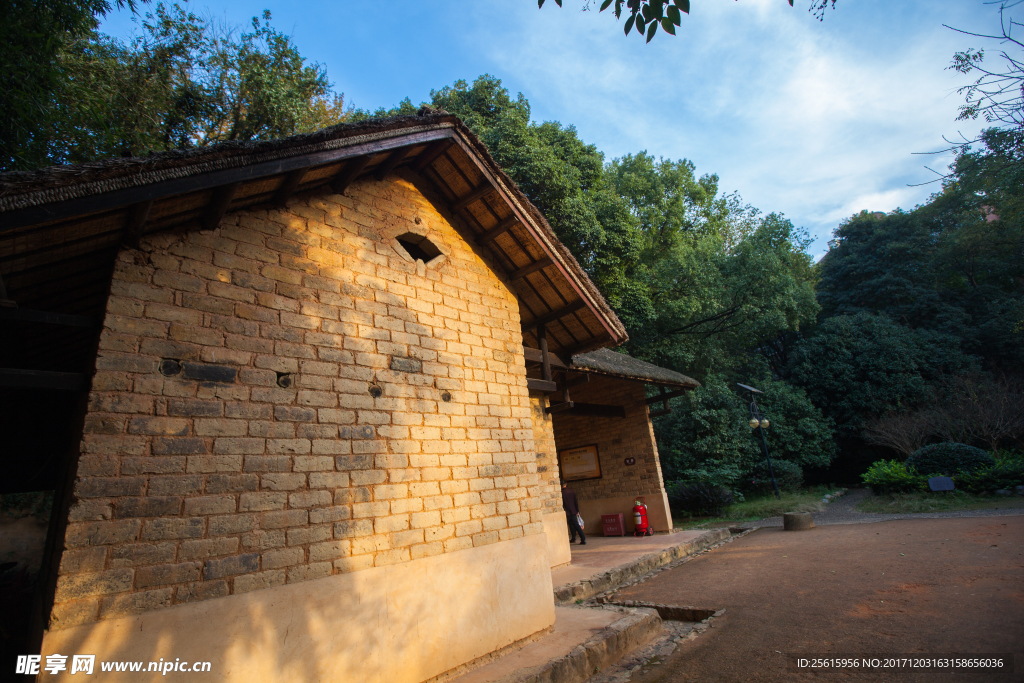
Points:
(551, 252)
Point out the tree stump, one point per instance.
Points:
(797, 521)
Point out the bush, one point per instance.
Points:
(788, 475)
(1004, 475)
(893, 476)
(699, 498)
(949, 458)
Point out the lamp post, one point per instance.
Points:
(759, 422)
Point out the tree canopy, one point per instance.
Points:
(181, 82)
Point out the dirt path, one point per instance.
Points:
(921, 586)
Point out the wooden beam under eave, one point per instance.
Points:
(665, 397)
(349, 172)
(555, 315)
(474, 196)
(138, 214)
(532, 268)
(541, 385)
(288, 187)
(499, 229)
(559, 407)
(218, 205)
(431, 153)
(389, 164)
(534, 356)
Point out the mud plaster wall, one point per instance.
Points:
(265, 460)
(616, 439)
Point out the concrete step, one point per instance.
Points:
(633, 569)
(583, 642)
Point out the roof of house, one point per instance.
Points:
(611, 363)
(61, 227)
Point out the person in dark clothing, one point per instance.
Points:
(572, 509)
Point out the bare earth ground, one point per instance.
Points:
(918, 586)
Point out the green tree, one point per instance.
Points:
(708, 436)
(952, 266)
(858, 367)
(182, 82)
(33, 33)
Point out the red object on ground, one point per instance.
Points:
(642, 528)
(613, 525)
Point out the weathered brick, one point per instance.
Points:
(180, 446)
(203, 590)
(210, 505)
(163, 574)
(109, 487)
(309, 499)
(81, 534)
(284, 557)
(232, 524)
(181, 485)
(160, 529)
(353, 462)
(353, 528)
(152, 506)
(77, 586)
(252, 582)
(268, 463)
(195, 408)
(227, 566)
(284, 518)
(328, 480)
(142, 554)
(203, 548)
(68, 614)
(255, 502)
(314, 534)
(283, 481)
(232, 483)
(294, 413)
(83, 560)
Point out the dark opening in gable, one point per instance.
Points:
(419, 247)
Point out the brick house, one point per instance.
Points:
(296, 395)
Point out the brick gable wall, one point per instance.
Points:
(259, 456)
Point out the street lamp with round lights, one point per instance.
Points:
(761, 423)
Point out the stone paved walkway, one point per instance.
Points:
(842, 511)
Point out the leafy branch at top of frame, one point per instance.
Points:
(647, 15)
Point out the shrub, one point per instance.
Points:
(1004, 475)
(949, 458)
(788, 475)
(699, 498)
(893, 476)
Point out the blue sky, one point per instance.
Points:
(815, 120)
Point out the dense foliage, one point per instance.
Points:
(699, 498)
(948, 458)
(893, 476)
(181, 82)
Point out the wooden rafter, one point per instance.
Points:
(288, 187)
(349, 172)
(218, 205)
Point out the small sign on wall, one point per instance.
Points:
(629, 462)
(579, 463)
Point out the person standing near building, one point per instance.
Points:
(572, 509)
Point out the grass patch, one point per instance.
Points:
(759, 507)
(927, 501)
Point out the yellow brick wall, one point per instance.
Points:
(267, 460)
